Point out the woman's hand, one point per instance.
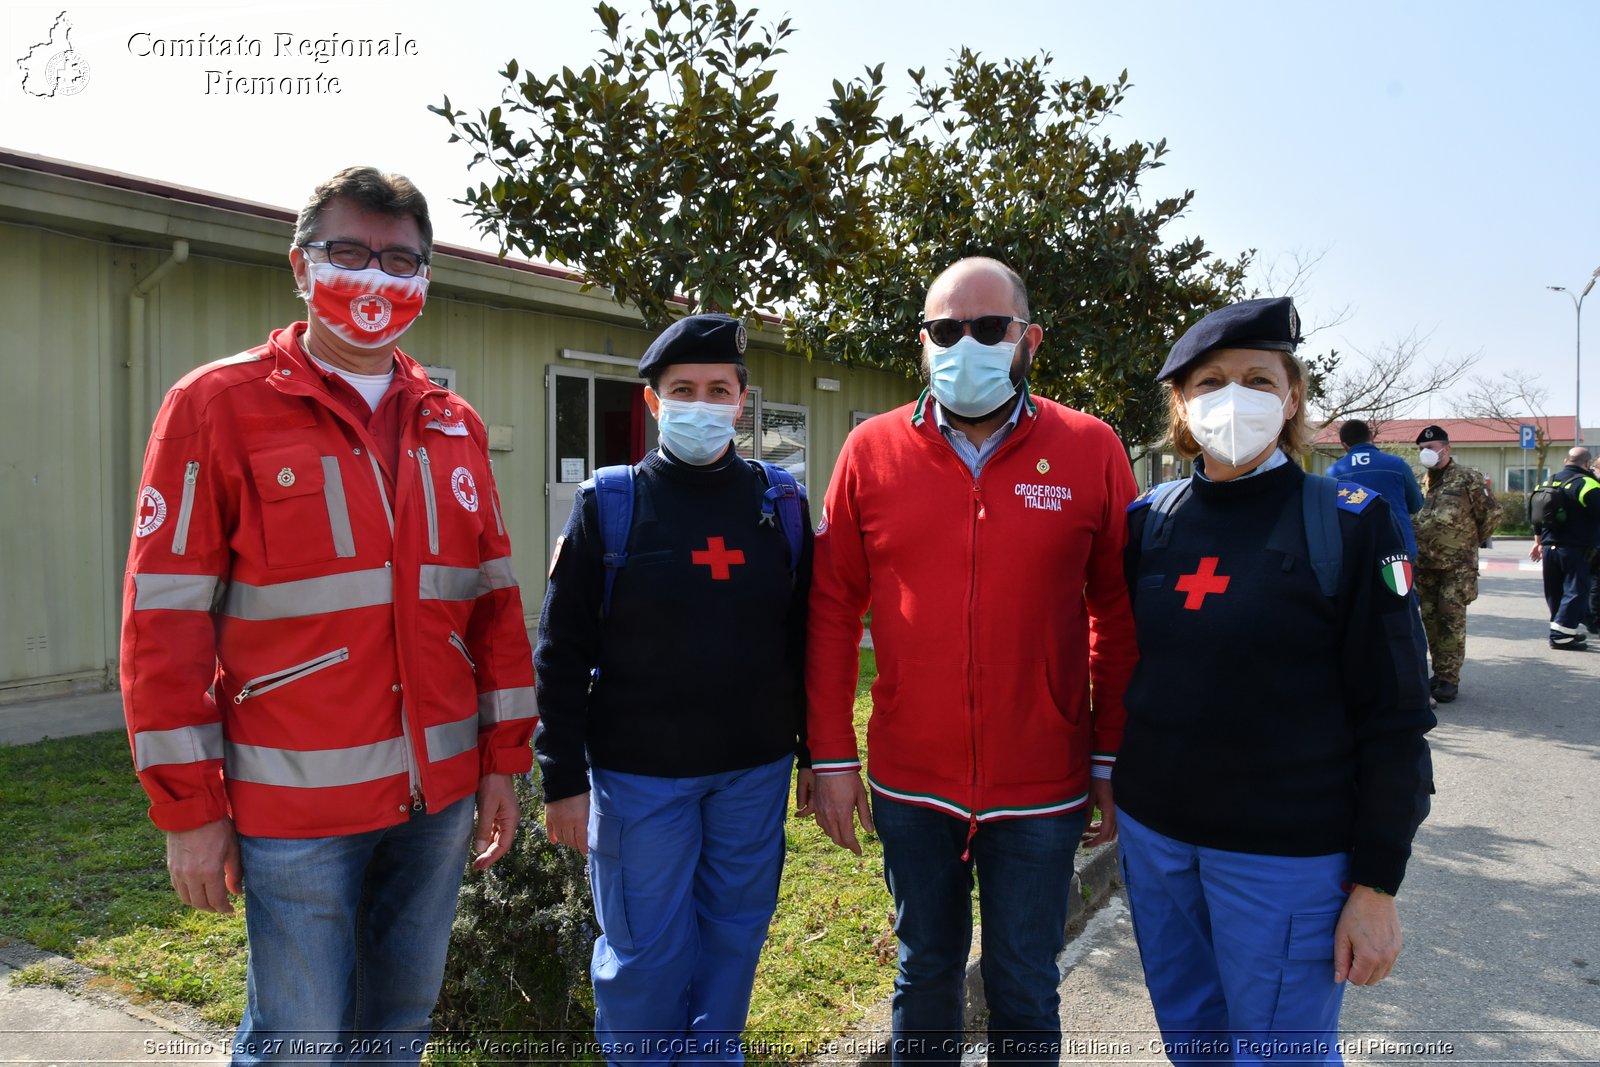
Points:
(1367, 940)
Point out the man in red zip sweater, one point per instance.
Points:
(324, 664)
(984, 529)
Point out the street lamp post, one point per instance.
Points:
(1577, 373)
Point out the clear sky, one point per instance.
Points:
(1441, 157)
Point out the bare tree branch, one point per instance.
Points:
(1505, 403)
(1385, 383)
(1288, 274)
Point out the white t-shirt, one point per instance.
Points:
(370, 386)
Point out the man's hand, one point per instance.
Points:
(497, 820)
(203, 864)
(1535, 552)
(566, 822)
(1367, 940)
(805, 785)
(839, 799)
(1104, 831)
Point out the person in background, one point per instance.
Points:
(1458, 515)
(1366, 464)
(1568, 550)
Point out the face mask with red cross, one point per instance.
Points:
(367, 308)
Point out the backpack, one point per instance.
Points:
(613, 488)
(1551, 504)
(1320, 501)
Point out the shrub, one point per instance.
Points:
(520, 944)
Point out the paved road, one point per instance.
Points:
(1502, 956)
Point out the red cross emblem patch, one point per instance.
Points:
(718, 557)
(1202, 583)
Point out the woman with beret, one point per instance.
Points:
(671, 700)
(1274, 767)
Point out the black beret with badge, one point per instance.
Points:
(696, 339)
(1433, 433)
(1270, 323)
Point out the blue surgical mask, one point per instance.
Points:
(971, 379)
(696, 431)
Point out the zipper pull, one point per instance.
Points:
(191, 473)
(417, 803)
(972, 831)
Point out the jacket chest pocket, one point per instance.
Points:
(304, 516)
(453, 503)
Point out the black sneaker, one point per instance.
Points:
(1444, 692)
(1572, 642)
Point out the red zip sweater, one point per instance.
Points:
(994, 604)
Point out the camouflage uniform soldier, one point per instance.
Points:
(1458, 514)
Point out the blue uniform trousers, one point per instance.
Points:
(1237, 948)
(685, 879)
(1566, 584)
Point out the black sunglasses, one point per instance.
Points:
(986, 329)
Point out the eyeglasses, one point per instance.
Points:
(353, 255)
(986, 329)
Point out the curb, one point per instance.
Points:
(868, 1041)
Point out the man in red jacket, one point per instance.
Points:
(324, 664)
(984, 529)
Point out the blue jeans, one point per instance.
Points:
(1024, 874)
(347, 938)
(685, 877)
(1237, 948)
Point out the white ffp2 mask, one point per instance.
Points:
(1236, 424)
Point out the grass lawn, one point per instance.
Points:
(83, 874)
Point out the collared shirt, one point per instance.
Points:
(975, 456)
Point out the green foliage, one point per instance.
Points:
(519, 948)
(1005, 160)
(663, 169)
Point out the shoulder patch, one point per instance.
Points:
(1355, 498)
(1143, 500)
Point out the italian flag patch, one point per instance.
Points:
(1397, 575)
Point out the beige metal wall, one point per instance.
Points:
(67, 458)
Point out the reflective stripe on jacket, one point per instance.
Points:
(310, 640)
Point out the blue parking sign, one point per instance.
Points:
(1529, 435)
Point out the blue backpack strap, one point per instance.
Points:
(1321, 500)
(613, 489)
(780, 506)
(1162, 500)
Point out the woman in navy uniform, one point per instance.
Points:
(671, 699)
(1274, 768)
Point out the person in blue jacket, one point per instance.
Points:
(1366, 464)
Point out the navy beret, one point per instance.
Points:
(1432, 433)
(696, 339)
(1270, 323)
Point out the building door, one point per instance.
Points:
(594, 421)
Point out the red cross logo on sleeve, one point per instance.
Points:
(1204, 581)
(717, 556)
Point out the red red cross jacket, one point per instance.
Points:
(311, 641)
(994, 603)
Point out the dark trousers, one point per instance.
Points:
(1566, 584)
